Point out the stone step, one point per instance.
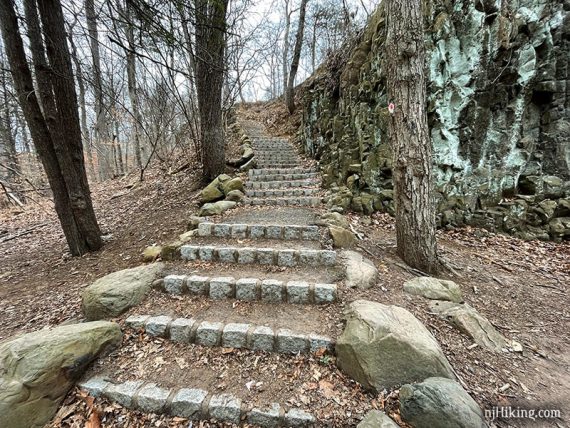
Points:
(284, 176)
(230, 335)
(250, 289)
(262, 256)
(302, 201)
(276, 158)
(277, 171)
(278, 165)
(281, 184)
(278, 193)
(259, 231)
(193, 403)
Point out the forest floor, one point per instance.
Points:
(521, 287)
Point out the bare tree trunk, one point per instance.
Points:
(286, 45)
(289, 93)
(210, 45)
(132, 86)
(101, 136)
(6, 129)
(82, 108)
(58, 146)
(409, 135)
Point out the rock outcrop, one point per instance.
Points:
(38, 369)
(113, 294)
(384, 346)
(499, 117)
(439, 403)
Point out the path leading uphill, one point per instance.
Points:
(243, 330)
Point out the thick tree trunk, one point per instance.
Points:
(59, 146)
(409, 136)
(210, 45)
(289, 93)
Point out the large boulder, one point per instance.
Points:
(360, 272)
(113, 294)
(467, 320)
(383, 346)
(433, 288)
(439, 403)
(377, 419)
(216, 208)
(38, 369)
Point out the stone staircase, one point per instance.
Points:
(271, 257)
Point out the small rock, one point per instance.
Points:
(439, 403)
(377, 419)
(434, 288)
(235, 196)
(360, 272)
(342, 238)
(151, 253)
(194, 221)
(233, 184)
(187, 236)
(334, 219)
(216, 208)
(171, 251)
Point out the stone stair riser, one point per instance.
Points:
(193, 403)
(278, 193)
(277, 171)
(259, 231)
(277, 165)
(250, 289)
(263, 256)
(284, 202)
(230, 335)
(256, 185)
(283, 177)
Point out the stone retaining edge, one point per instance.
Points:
(250, 289)
(193, 403)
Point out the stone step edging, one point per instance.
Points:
(281, 192)
(230, 335)
(306, 201)
(262, 256)
(250, 289)
(259, 231)
(283, 177)
(277, 171)
(193, 403)
(256, 185)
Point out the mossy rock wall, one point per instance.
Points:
(499, 116)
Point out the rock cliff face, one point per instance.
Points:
(499, 116)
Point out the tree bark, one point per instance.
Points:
(132, 85)
(59, 146)
(409, 135)
(289, 93)
(101, 134)
(286, 45)
(210, 45)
